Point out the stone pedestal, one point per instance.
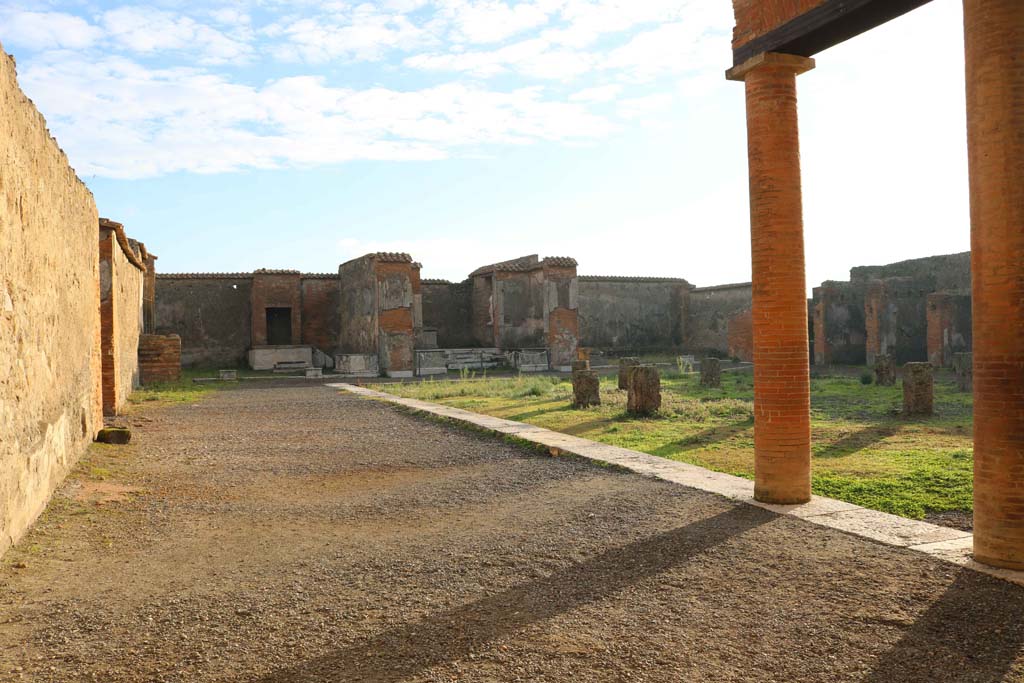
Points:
(625, 365)
(963, 367)
(711, 373)
(918, 389)
(586, 389)
(644, 390)
(885, 370)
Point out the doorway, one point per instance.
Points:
(279, 326)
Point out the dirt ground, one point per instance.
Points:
(277, 532)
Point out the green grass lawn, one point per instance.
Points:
(182, 391)
(863, 451)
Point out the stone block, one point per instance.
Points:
(918, 389)
(357, 364)
(885, 370)
(229, 375)
(586, 388)
(963, 366)
(711, 373)
(625, 365)
(644, 390)
(114, 435)
(581, 364)
(314, 372)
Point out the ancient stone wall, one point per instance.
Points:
(159, 358)
(397, 282)
(945, 272)
(896, 321)
(949, 327)
(358, 307)
(321, 312)
(447, 307)
(280, 289)
(561, 313)
(838, 318)
(712, 312)
(50, 394)
(211, 312)
(632, 313)
(122, 273)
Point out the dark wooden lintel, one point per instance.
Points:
(824, 26)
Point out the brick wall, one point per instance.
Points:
(50, 365)
(895, 319)
(159, 358)
(271, 289)
(754, 18)
(122, 275)
(949, 327)
(740, 333)
(321, 299)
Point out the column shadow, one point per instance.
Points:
(408, 649)
(974, 632)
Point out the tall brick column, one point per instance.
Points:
(994, 40)
(782, 421)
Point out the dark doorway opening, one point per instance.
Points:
(279, 326)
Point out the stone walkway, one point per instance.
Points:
(277, 532)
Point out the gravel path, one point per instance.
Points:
(277, 533)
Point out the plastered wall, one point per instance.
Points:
(212, 314)
(122, 281)
(620, 313)
(50, 395)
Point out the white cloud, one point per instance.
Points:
(148, 30)
(117, 118)
(601, 93)
(491, 21)
(46, 30)
(364, 34)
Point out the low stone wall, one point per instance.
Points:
(50, 395)
(159, 358)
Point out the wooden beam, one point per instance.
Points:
(824, 26)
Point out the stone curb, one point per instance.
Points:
(943, 543)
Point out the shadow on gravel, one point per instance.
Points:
(404, 651)
(974, 632)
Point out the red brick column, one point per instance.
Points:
(782, 422)
(994, 39)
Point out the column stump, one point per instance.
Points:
(586, 388)
(918, 389)
(963, 367)
(711, 373)
(885, 370)
(644, 390)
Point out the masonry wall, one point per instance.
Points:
(519, 309)
(275, 290)
(896, 321)
(50, 396)
(940, 273)
(211, 313)
(754, 18)
(949, 327)
(838, 319)
(321, 313)
(448, 308)
(357, 307)
(712, 312)
(622, 313)
(396, 299)
(122, 280)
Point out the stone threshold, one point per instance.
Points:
(943, 543)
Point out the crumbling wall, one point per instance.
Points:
(561, 313)
(947, 272)
(358, 306)
(122, 275)
(212, 313)
(896, 321)
(632, 313)
(448, 308)
(396, 300)
(710, 313)
(321, 312)
(518, 301)
(483, 310)
(838, 318)
(949, 327)
(50, 393)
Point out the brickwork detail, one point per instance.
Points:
(159, 358)
(782, 433)
(994, 40)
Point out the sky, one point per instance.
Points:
(230, 135)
